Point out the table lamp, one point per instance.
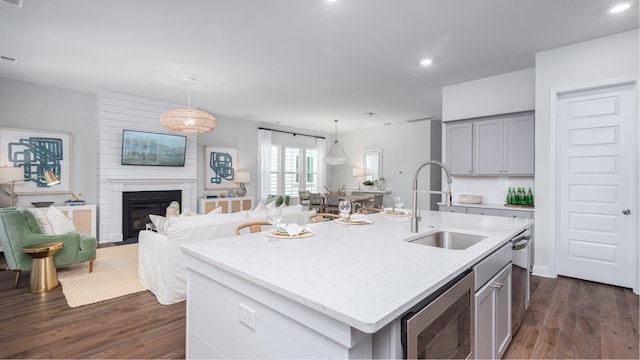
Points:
(12, 175)
(241, 178)
(358, 173)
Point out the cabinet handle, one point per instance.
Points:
(496, 285)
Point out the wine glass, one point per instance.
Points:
(398, 201)
(345, 208)
(274, 216)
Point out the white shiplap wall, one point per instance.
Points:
(121, 111)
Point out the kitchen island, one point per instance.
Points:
(337, 294)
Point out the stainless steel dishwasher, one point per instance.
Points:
(520, 277)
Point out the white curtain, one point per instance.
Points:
(264, 146)
(321, 147)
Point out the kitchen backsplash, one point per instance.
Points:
(492, 189)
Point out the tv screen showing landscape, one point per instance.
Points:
(153, 149)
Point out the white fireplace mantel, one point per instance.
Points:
(124, 184)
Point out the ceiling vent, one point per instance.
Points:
(423, 119)
(7, 59)
(16, 3)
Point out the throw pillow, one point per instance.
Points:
(187, 212)
(53, 222)
(161, 223)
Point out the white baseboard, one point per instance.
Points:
(543, 271)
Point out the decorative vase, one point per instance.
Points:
(241, 190)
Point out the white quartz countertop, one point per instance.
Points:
(362, 275)
(499, 206)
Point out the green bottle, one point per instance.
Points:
(509, 197)
(529, 198)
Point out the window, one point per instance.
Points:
(289, 173)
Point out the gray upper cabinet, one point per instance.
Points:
(498, 146)
(459, 150)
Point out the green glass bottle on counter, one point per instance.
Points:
(529, 198)
(509, 197)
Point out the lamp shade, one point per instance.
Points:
(243, 177)
(9, 174)
(188, 121)
(357, 172)
(50, 178)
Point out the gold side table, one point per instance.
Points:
(43, 272)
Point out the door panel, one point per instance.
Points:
(595, 183)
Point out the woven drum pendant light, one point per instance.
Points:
(188, 121)
(336, 154)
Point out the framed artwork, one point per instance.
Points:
(37, 151)
(153, 149)
(219, 165)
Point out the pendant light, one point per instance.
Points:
(188, 121)
(336, 154)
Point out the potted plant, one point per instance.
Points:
(368, 184)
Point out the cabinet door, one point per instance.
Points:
(488, 147)
(83, 220)
(459, 149)
(502, 284)
(519, 145)
(485, 323)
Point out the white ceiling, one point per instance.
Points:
(302, 63)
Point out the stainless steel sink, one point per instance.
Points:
(449, 240)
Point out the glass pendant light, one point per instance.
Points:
(336, 154)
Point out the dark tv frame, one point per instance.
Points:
(151, 158)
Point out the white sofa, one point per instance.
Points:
(161, 266)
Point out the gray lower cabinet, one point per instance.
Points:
(500, 212)
(493, 316)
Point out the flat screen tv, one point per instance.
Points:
(153, 149)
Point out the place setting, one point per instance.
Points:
(398, 202)
(351, 219)
(285, 231)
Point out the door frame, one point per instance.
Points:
(554, 190)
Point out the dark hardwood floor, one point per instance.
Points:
(568, 318)
(576, 319)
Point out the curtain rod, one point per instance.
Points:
(292, 133)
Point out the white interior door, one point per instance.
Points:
(596, 174)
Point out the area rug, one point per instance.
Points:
(115, 274)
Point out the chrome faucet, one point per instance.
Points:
(414, 214)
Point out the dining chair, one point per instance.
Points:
(315, 202)
(255, 226)
(321, 217)
(367, 210)
(304, 197)
(331, 203)
(377, 201)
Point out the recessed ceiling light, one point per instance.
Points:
(619, 8)
(426, 62)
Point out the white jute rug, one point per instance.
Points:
(115, 274)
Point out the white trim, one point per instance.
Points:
(552, 181)
(120, 185)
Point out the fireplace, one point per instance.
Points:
(137, 205)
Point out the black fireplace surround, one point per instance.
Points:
(137, 205)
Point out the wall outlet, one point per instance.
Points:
(247, 316)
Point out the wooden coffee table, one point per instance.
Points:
(43, 272)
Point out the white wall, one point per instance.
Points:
(501, 94)
(26, 105)
(404, 147)
(579, 64)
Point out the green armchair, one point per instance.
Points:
(19, 228)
